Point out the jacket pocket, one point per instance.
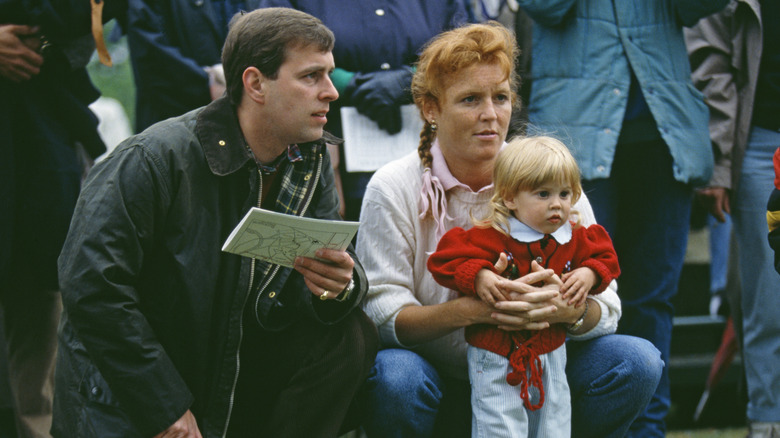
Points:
(101, 415)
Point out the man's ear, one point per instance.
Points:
(254, 84)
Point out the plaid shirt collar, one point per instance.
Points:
(293, 155)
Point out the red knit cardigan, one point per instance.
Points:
(461, 254)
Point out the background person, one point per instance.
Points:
(174, 45)
(613, 77)
(419, 385)
(735, 55)
(48, 134)
(377, 42)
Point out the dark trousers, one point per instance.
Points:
(300, 382)
(647, 214)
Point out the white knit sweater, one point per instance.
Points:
(393, 246)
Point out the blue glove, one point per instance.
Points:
(378, 95)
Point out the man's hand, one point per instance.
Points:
(321, 277)
(716, 200)
(184, 427)
(19, 57)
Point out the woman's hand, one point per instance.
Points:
(531, 304)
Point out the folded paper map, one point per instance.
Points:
(280, 238)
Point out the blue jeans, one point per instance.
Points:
(647, 214)
(611, 380)
(760, 282)
(720, 239)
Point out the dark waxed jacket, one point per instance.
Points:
(153, 309)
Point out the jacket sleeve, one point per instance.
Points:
(114, 225)
(458, 259)
(64, 20)
(608, 300)
(710, 52)
(773, 212)
(176, 81)
(601, 256)
(547, 12)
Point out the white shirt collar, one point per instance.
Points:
(523, 233)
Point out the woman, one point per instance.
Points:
(465, 87)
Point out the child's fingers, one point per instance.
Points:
(486, 297)
(578, 291)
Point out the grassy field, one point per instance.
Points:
(708, 433)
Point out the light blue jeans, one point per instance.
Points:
(760, 281)
(497, 407)
(611, 379)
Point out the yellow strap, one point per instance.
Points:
(97, 32)
(773, 219)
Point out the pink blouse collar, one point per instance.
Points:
(437, 180)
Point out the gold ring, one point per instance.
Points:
(324, 295)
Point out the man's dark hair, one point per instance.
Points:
(261, 39)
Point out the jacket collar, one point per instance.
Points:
(223, 143)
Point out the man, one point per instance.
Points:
(165, 335)
(45, 126)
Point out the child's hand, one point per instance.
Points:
(577, 284)
(487, 285)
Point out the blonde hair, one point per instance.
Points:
(449, 53)
(527, 163)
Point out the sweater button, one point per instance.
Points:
(539, 260)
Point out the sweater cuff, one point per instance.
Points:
(466, 275)
(602, 272)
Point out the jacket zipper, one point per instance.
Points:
(241, 317)
(301, 213)
(251, 281)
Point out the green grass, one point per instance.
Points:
(708, 433)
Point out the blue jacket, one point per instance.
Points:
(170, 43)
(374, 35)
(584, 51)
